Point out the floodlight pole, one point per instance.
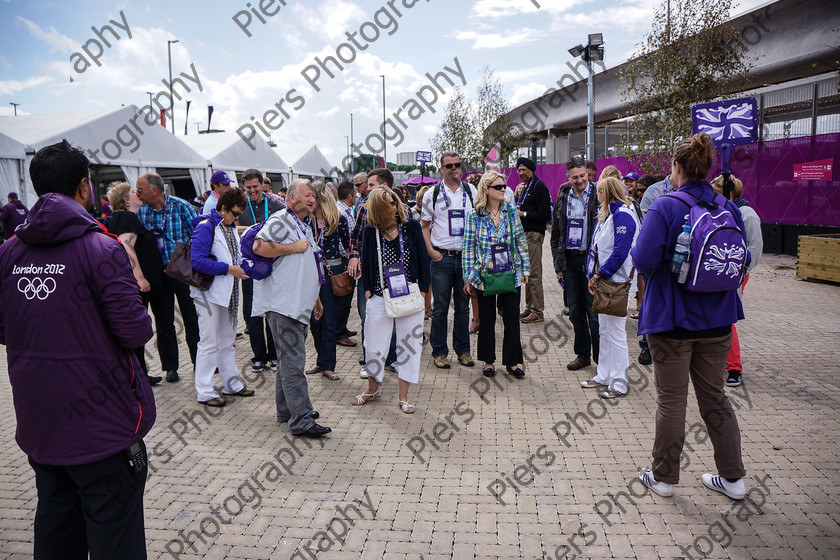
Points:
(171, 99)
(384, 140)
(590, 119)
(352, 159)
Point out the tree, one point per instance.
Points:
(456, 131)
(472, 128)
(686, 59)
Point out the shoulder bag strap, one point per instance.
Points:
(379, 258)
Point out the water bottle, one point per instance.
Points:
(679, 263)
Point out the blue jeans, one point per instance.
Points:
(584, 321)
(325, 330)
(362, 305)
(448, 283)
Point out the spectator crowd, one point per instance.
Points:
(76, 287)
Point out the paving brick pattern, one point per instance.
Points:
(237, 486)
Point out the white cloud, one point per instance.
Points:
(9, 87)
(526, 92)
(484, 40)
(56, 40)
(330, 19)
(497, 9)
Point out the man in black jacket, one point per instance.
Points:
(534, 203)
(572, 226)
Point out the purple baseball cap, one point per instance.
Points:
(632, 175)
(220, 177)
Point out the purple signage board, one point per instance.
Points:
(733, 122)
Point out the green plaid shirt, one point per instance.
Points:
(480, 234)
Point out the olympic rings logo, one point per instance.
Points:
(36, 287)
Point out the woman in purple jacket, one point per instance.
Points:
(218, 306)
(689, 334)
(618, 226)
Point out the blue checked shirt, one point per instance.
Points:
(480, 234)
(175, 218)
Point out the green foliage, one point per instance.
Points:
(694, 60)
(472, 128)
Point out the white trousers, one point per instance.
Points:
(215, 350)
(378, 330)
(613, 358)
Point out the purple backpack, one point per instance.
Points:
(718, 250)
(255, 266)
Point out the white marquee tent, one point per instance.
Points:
(310, 162)
(110, 137)
(12, 158)
(229, 152)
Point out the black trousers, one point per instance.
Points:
(96, 508)
(511, 343)
(258, 331)
(162, 299)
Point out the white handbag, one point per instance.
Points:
(400, 306)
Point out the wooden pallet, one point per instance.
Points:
(819, 257)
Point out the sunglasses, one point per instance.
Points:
(235, 213)
(497, 187)
(451, 165)
(357, 185)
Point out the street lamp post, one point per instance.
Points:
(150, 101)
(384, 141)
(352, 159)
(594, 50)
(15, 105)
(171, 99)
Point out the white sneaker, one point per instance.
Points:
(662, 488)
(734, 490)
(363, 373)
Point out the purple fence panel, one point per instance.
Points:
(766, 169)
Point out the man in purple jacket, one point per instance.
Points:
(12, 215)
(70, 315)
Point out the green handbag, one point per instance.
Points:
(501, 282)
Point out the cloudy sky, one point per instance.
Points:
(254, 67)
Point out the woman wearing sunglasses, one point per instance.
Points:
(494, 243)
(215, 251)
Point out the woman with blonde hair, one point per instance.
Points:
(609, 259)
(494, 242)
(394, 244)
(141, 247)
(331, 232)
(610, 171)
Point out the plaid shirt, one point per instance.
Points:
(177, 226)
(480, 234)
(356, 234)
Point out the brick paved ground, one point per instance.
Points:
(274, 500)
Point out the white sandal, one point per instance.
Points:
(359, 400)
(407, 407)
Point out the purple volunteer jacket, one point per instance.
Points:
(70, 314)
(12, 215)
(668, 305)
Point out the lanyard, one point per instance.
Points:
(399, 236)
(525, 192)
(588, 193)
(446, 198)
(494, 232)
(301, 227)
(265, 209)
(163, 225)
(319, 234)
